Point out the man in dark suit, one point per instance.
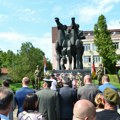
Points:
(68, 96)
(48, 102)
(21, 93)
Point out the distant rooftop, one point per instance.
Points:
(4, 71)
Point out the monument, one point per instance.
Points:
(69, 48)
(69, 45)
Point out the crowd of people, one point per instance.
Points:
(61, 98)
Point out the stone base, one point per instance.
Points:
(75, 71)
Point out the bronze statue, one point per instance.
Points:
(75, 46)
(79, 50)
(64, 50)
(69, 44)
(37, 77)
(59, 42)
(100, 73)
(71, 50)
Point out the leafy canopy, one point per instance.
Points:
(105, 47)
(24, 62)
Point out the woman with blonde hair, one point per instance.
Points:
(99, 103)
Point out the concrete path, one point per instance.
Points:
(15, 114)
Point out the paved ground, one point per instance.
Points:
(15, 114)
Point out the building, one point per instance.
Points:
(3, 73)
(90, 52)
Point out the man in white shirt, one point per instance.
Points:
(54, 82)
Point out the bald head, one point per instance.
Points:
(87, 79)
(84, 110)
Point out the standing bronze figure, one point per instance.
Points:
(69, 44)
(59, 42)
(75, 46)
(100, 73)
(79, 50)
(37, 77)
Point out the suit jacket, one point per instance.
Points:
(68, 96)
(87, 92)
(48, 104)
(20, 96)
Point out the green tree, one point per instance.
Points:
(105, 47)
(25, 62)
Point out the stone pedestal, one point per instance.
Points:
(75, 71)
(80, 76)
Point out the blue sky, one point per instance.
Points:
(31, 20)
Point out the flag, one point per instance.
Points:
(45, 65)
(93, 70)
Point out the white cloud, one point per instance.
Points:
(28, 15)
(115, 24)
(87, 12)
(105, 3)
(14, 41)
(11, 36)
(27, 11)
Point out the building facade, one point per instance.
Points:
(90, 52)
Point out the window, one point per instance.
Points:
(116, 44)
(86, 47)
(87, 59)
(94, 47)
(96, 58)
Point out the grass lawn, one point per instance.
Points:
(16, 86)
(113, 80)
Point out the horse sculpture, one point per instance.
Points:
(69, 43)
(79, 50)
(75, 47)
(59, 44)
(71, 50)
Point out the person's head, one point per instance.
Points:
(87, 79)
(84, 110)
(25, 81)
(5, 83)
(111, 97)
(52, 76)
(105, 78)
(66, 80)
(47, 83)
(30, 102)
(98, 100)
(6, 97)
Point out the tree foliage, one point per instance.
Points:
(105, 47)
(24, 62)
